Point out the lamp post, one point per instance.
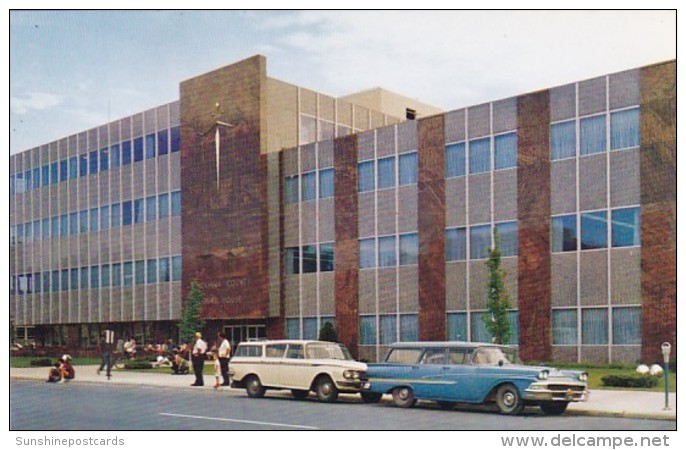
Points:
(666, 350)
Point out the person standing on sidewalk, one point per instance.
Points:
(105, 351)
(198, 355)
(224, 352)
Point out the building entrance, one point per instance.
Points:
(248, 332)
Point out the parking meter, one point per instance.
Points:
(666, 350)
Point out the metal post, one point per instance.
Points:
(666, 349)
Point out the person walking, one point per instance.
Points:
(224, 352)
(198, 355)
(105, 351)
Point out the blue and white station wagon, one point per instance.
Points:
(468, 372)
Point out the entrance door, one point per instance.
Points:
(249, 332)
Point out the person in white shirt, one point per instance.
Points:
(224, 354)
(199, 350)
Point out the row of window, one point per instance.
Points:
(480, 241)
(306, 184)
(145, 209)
(625, 132)
(381, 251)
(310, 327)
(479, 150)
(626, 326)
(129, 273)
(381, 173)
(121, 154)
(312, 129)
(625, 230)
(391, 328)
(307, 259)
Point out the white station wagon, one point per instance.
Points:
(326, 368)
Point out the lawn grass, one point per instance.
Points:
(24, 361)
(596, 374)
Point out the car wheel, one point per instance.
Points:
(253, 386)
(371, 397)
(300, 394)
(446, 405)
(554, 408)
(403, 397)
(508, 400)
(326, 390)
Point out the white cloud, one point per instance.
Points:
(34, 101)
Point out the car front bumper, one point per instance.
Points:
(562, 393)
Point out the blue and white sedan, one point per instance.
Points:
(468, 372)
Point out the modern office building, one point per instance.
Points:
(373, 211)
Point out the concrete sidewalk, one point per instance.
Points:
(633, 404)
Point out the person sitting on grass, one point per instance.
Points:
(67, 370)
(54, 373)
(179, 365)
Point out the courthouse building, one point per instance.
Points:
(372, 211)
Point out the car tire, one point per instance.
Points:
(403, 397)
(253, 386)
(371, 397)
(509, 400)
(300, 394)
(447, 406)
(554, 408)
(326, 389)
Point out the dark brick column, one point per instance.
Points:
(431, 228)
(533, 205)
(347, 248)
(658, 209)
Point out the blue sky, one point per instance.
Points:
(70, 71)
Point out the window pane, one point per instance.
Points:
(409, 246)
(407, 167)
(140, 272)
(95, 277)
(326, 257)
(387, 251)
(128, 273)
(64, 172)
(365, 173)
(55, 227)
(513, 316)
(105, 217)
(387, 328)
(73, 167)
(127, 213)
(293, 328)
(625, 129)
(74, 222)
(479, 241)
(74, 279)
(105, 276)
(594, 230)
(64, 225)
(151, 270)
(626, 326)
(594, 326)
(291, 189)
(308, 129)
(175, 139)
(564, 233)
(116, 275)
(309, 186)
(310, 328)
(116, 215)
(138, 149)
(53, 174)
(94, 219)
(176, 203)
(326, 183)
(507, 233)
(309, 258)
(165, 273)
(151, 208)
(46, 228)
(85, 273)
(126, 153)
(176, 268)
(367, 330)
(325, 130)
(457, 326)
(115, 156)
(36, 178)
(626, 227)
(93, 162)
(479, 331)
(150, 146)
(480, 155)
(455, 160)
(65, 280)
(564, 327)
(367, 253)
(409, 327)
(386, 169)
(45, 175)
(563, 140)
(162, 142)
(104, 159)
(593, 139)
(506, 151)
(292, 261)
(455, 244)
(84, 221)
(163, 206)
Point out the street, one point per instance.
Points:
(36, 405)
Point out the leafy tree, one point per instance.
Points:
(328, 333)
(497, 321)
(191, 321)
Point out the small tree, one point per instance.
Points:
(328, 333)
(497, 321)
(191, 321)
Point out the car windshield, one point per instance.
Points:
(492, 355)
(328, 351)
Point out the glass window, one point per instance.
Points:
(326, 183)
(150, 146)
(175, 139)
(128, 273)
(55, 285)
(626, 227)
(365, 174)
(127, 213)
(626, 326)
(45, 175)
(36, 178)
(176, 203)
(64, 171)
(457, 326)
(165, 274)
(162, 142)
(139, 268)
(104, 159)
(367, 253)
(116, 215)
(105, 275)
(326, 130)
(479, 331)
(403, 356)
(115, 156)
(513, 316)
(116, 275)
(506, 151)
(387, 251)
(126, 153)
(93, 162)
(407, 169)
(176, 268)
(151, 208)
(292, 329)
(592, 137)
(292, 260)
(84, 277)
(310, 330)
(479, 241)
(138, 210)
(563, 140)
(94, 219)
(594, 326)
(308, 129)
(433, 356)
(36, 229)
(138, 149)
(409, 248)
(507, 233)
(151, 270)
(46, 282)
(53, 174)
(455, 164)
(326, 257)
(84, 221)
(309, 258)
(46, 228)
(12, 185)
(19, 183)
(37, 283)
(386, 172)
(295, 351)
(594, 230)
(387, 328)
(55, 226)
(291, 189)
(95, 277)
(74, 223)
(275, 350)
(564, 233)
(309, 186)
(625, 129)
(163, 206)
(83, 165)
(455, 244)
(480, 155)
(64, 280)
(409, 327)
(73, 167)
(28, 232)
(105, 217)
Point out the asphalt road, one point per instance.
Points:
(45, 406)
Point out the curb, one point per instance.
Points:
(620, 414)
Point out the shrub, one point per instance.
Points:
(328, 332)
(138, 365)
(630, 381)
(43, 362)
